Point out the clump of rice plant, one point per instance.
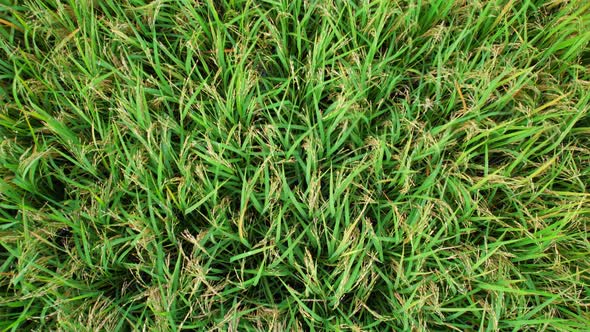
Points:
(294, 165)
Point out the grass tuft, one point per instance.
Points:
(294, 165)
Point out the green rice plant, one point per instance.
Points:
(294, 165)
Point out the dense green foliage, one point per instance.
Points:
(294, 164)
